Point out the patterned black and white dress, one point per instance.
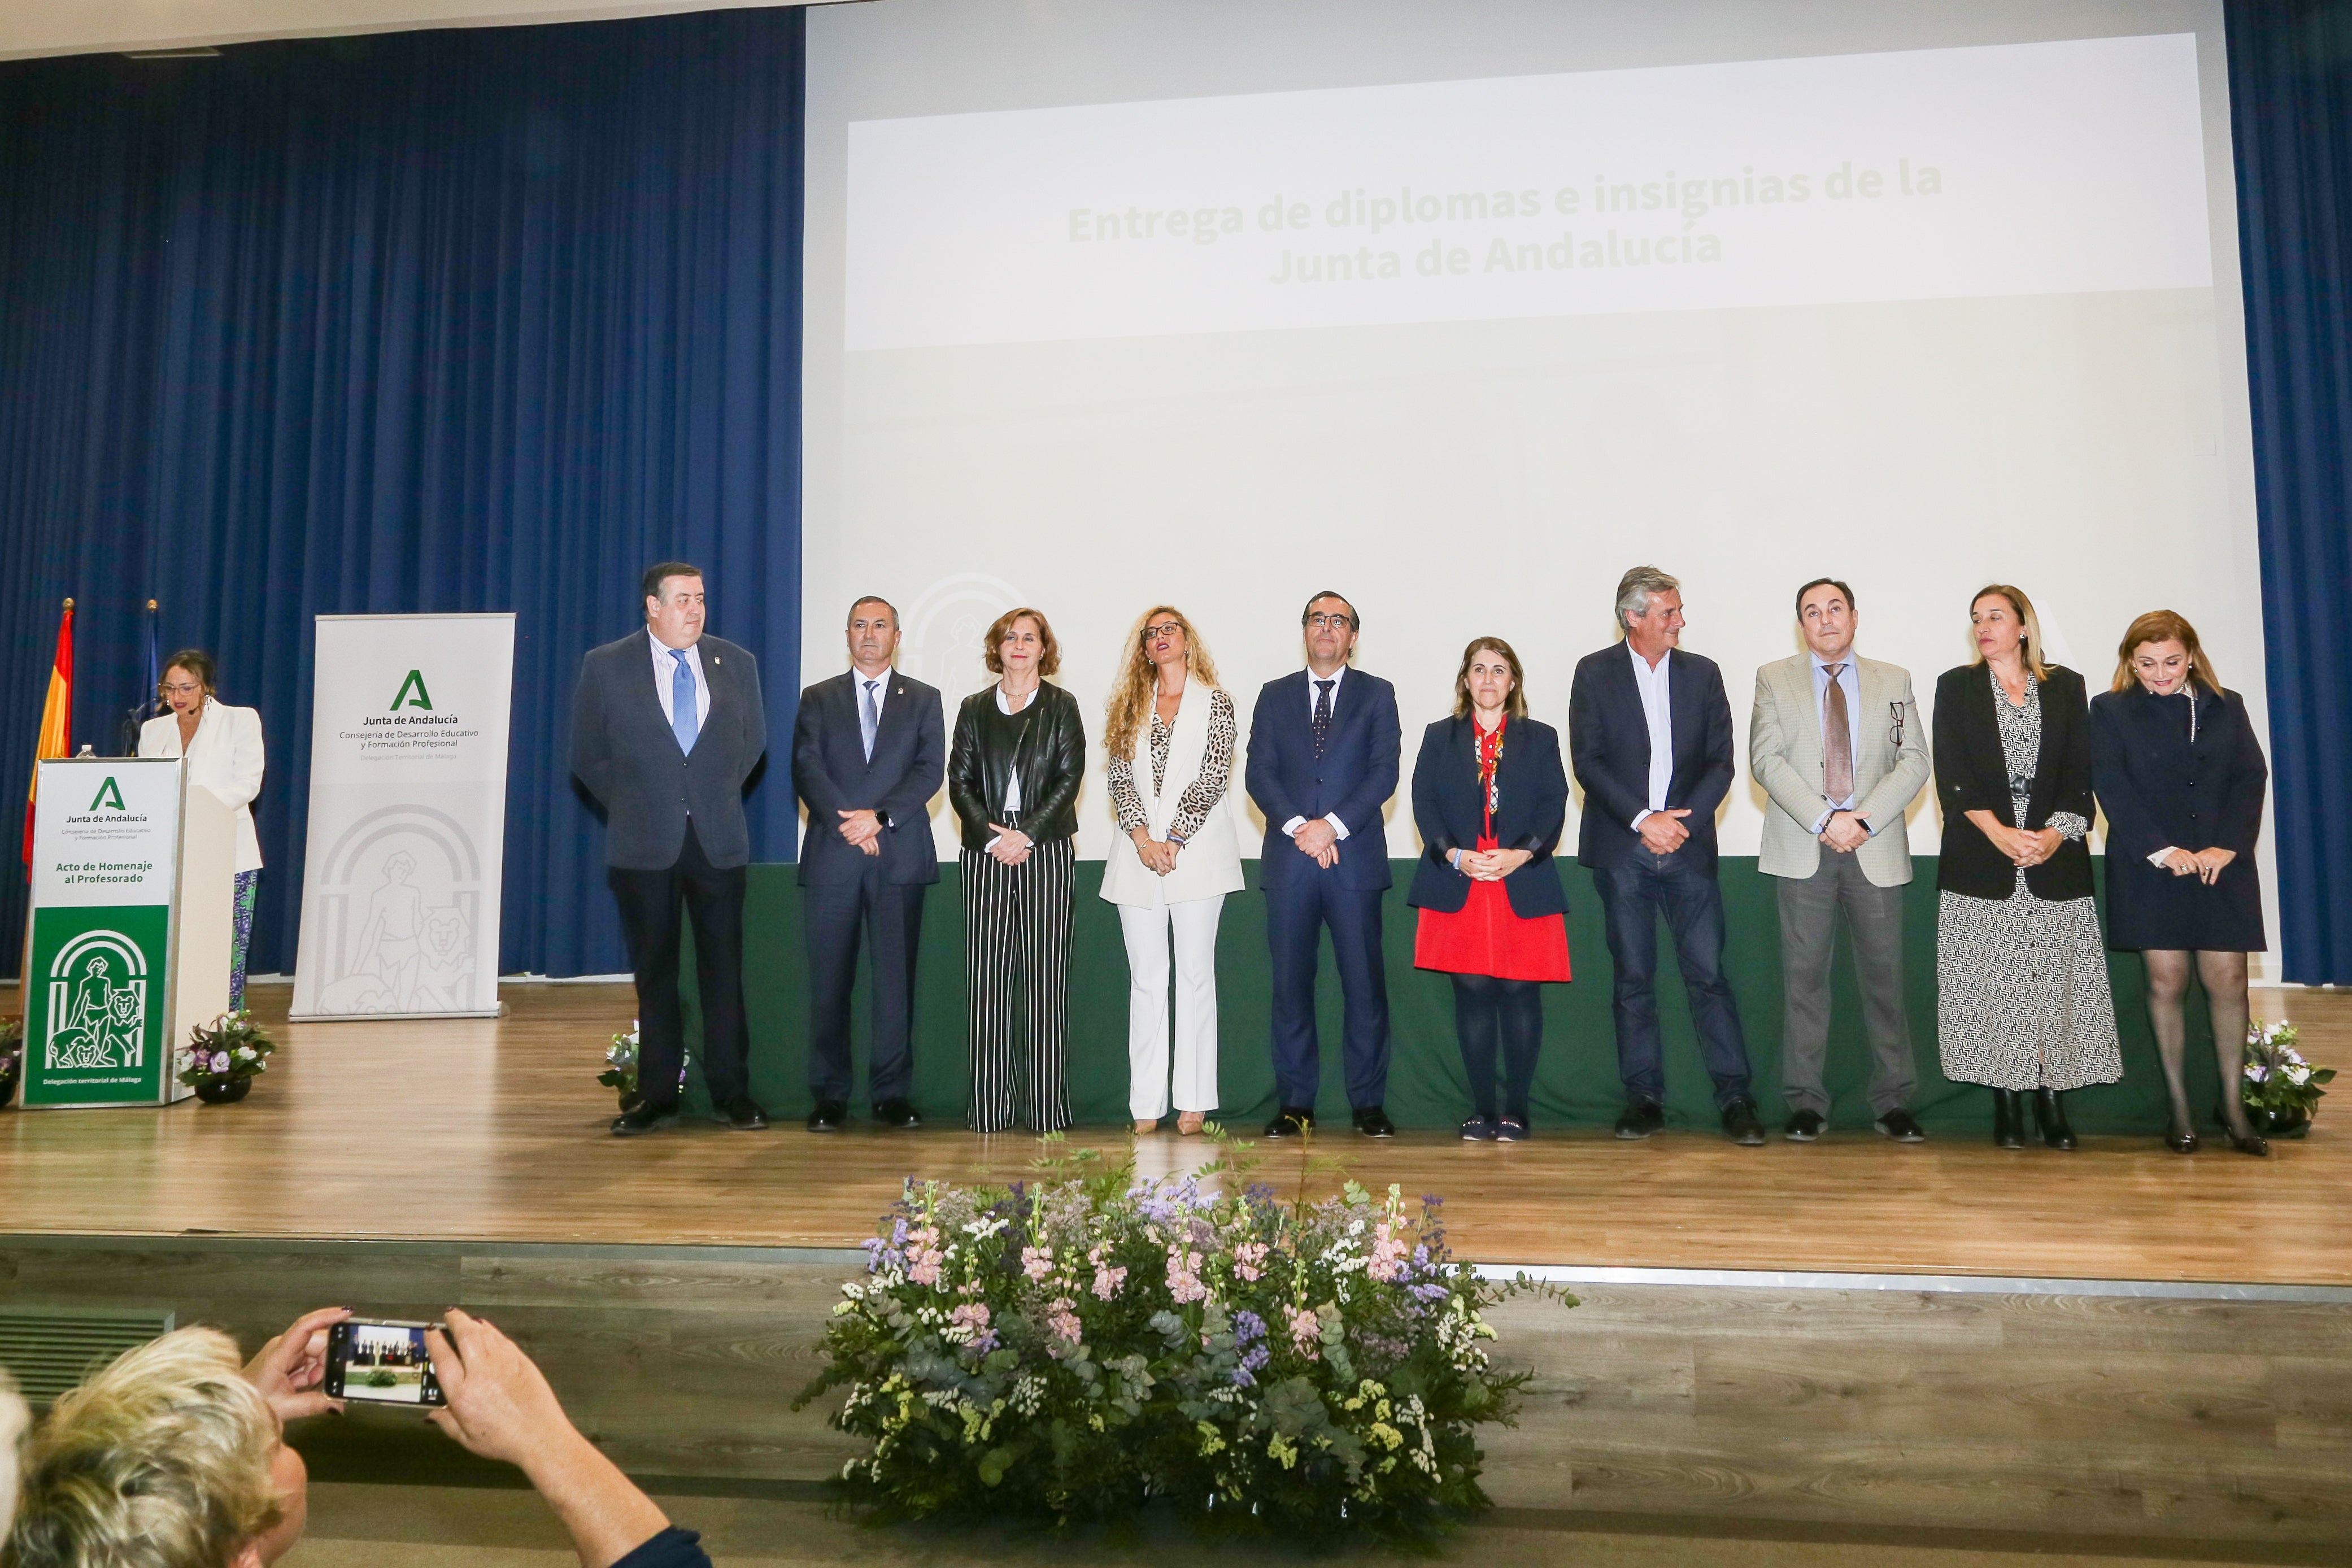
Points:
(2023, 1000)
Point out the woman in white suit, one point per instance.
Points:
(1170, 736)
(222, 745)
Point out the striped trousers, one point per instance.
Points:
(1016, 965)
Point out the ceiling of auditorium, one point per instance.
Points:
(30, 27)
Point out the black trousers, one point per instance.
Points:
(891, 916)
(650, 904)
(1498, 1016)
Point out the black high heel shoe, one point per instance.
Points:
(2181, 1142)
(2050, 1119)
(2252, 1144)
(2008, 1118)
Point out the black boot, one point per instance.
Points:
(2008, 1118)
(2050, 1119)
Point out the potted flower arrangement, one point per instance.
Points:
(1078, 1346)
(221, 1058)
(11, 1056)
(2281, 1091)
(621, 1069)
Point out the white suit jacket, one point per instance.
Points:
(226, 758)
(1784, 752)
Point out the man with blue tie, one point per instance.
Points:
(667, 759)
(1322, 764)
(869, 750)
(1650, 737)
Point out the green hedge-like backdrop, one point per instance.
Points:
(1576, 1084)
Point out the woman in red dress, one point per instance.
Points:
(1490, 797)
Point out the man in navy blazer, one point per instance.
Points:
(1322, 764)
(869, 750)
(667, 726)
(1650, 735)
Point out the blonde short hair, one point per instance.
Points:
(161, 1460)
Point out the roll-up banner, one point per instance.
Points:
(408, 800)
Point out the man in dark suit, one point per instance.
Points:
(667, 726)
(1322, 764)
(869, 750)
(1650, 734)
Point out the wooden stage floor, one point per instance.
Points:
(493, 1131)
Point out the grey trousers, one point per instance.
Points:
(1874, 920)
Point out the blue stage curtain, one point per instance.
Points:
(2290, 102)
(474, 319)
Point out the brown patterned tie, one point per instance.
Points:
(1837, 742)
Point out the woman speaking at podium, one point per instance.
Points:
(222, 745)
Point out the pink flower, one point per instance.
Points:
(1249, 1260)
(1184, 1275)
(1306, 1332)
(1064, 1321)
(972, 1318)
(1107, 1279)
(924, 1255)
(1389, 1250)
(1037, 1262)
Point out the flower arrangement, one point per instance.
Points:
(621, 1067)
(12, 1055)
(1072, 1347)
(221, 1057)
(2279, 1087)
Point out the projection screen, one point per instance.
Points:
(1463, 309)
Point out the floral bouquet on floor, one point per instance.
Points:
(221, 1058)
(11, 1056)
(621, 1069)
(1074, 1347)
(2282, 1091)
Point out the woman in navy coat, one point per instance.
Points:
(2180, 776)
(1490, 797)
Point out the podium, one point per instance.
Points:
(130, 929)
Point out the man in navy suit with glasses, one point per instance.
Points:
(1323, 751)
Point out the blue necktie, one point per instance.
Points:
(870, 720)
(682, 722)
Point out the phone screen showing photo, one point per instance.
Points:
(381, 1362)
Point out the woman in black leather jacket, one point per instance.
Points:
(1014, 771)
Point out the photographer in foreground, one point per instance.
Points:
(173, 1455)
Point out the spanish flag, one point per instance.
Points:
(57, 720)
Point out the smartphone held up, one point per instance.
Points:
(380, 1361)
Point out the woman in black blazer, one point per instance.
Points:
(1013, 771)
(2021, 971)
(2181, 776)
(1490, 797)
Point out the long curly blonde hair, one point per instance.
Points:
(1131, 701)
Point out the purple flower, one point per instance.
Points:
(1248, 1327)
(1257, 1357)
(220, 1061)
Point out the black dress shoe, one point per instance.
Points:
(1290, 1122)
(744, 1115)
(1740, 1124)
(2181, 1142)
(2252, 1144)
(1804, 1127)
(1900, 1125)
(1373, 1123)
(897, 1113)
(1642, 1118)
(2050, 1119)
(2009, 1117)
(830, 1116)
(642, 1118)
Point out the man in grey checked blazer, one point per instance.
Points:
(1838, 744)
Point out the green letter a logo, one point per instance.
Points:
(416, 683)
(108, 797)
